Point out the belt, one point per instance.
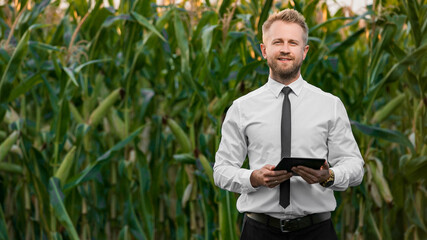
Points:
(290, 225)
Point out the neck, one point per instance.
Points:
(285, 81)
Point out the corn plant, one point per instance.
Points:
(110, 116)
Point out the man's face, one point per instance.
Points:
(284, 49)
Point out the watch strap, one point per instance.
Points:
(328, 182)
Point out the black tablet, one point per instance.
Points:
(288, 162)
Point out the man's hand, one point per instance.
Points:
(266, 176)
(311, 175)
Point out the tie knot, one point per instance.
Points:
(286, 90)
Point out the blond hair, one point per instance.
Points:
(289, 16)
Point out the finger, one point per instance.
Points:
(274, 174)
(307, 170)
(273, 184)
(283, 178)
(272, 181)
(313, 175)
(298, 170)
(278, 173)
(307, 176)
(307, 179)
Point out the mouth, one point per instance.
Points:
(285, 58)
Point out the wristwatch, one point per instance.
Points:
(328, 182)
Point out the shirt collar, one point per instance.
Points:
(276, 87)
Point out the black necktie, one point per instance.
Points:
(285, 187)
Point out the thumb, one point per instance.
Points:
(269, 167)
(325, 166)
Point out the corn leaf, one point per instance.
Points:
(414, 169)
(264, 15)
(145, 201)
(113, 19)
(13, 65)
(3, 226)
(25, 86)
(227, 217)
(347, 43)
(386, 134)
(92, 171)
(56, 200)
(70, 74)
(133, 221)
(43, 46)
(182, 41)
(412, 6)
(144, 22)
(79, 68)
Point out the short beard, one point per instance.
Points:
(284, 75)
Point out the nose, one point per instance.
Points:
(284, 48)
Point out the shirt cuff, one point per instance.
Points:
(338, 175)
(246, 181)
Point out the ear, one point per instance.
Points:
(263, 50)
(305, 51)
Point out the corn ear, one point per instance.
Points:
(388, 109)
(208, 168)
(180, 135)
(419, 114)
(373, 190)
(77, 116)
(11, 168)
(125, 234)
(217, 106)
(419, 111)
(375, 194)
(8, 143)
(410, 232)
(379, 180)
(11, 116)
(212, 104)
(65, 167)
(424, 150)
(116, 124)
(104, 106)
(187, 194)
(179, 107)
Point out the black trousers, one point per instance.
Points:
(253, 230)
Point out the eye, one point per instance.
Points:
(277, 42)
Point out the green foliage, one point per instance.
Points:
(124, 106)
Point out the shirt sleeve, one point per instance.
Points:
(343, 153)
(231, 154)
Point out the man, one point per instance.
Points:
(287, 117)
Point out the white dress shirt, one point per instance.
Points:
(320, 129)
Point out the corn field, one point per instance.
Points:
(110, 116)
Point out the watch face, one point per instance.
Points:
(329, 183)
